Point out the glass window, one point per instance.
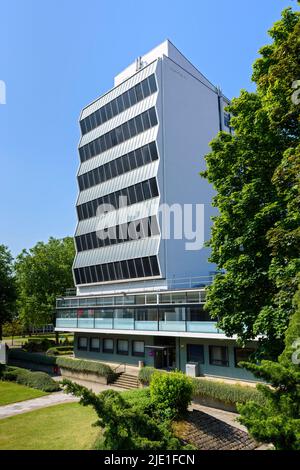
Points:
(103, 114)
(138, 348)
(120, 103)
(132, 128)
(139, 267)
(154, 188)
(126, 163)
(242, 354)
(148, 271)
(139, 192)
(152, 83)
(146, 189)
(146, 120)
(146, 154)
(119, 166)
(195, 353)
(132, 160)
(125, 270)
(108, 345)
(132, 96)
(114, 107)
(131, 267)
(113, 168)
(139, 124)
(153, 151)
(82, 343)
(154, 265)
(126, 100)
(122, 346)
(126, 132)
(138, 91)
(132, 195)
(145, 88)
(218, 356)
(119, 134)
(153, 118)
(108, 111)
(113, 137)
(95, 344)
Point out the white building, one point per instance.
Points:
(145, 140)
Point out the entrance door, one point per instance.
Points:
(164, 358)
(159, 359)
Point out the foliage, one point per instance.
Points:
(83, 366)
(60, 351)
(256, 238)
(38, 345)
(139, 398)
(145, 374)
(7, 287)
(42, 274)
(227, 393)
(278, 420)
(125, 427)
(171, 393)
(12, 328)
(39, 380)
(35, 358)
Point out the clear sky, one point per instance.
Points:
(58, 55)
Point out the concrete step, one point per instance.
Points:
(126, 381)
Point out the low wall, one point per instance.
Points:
(213, 403)
(85, 376)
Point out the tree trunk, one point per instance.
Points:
(0, 331)
(57, 338)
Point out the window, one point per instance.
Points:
(108, 345)
(122, 346)
(82, 343)
(242, 354)
(94, 344)
(138, 348)
(218, 356)
(195, 353)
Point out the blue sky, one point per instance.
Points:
(57, 56)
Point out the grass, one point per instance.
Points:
(61, 427)
(12, 393)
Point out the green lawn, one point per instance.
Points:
(59, 427)
(11, 392)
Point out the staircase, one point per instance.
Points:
(126, 381)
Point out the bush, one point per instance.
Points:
(38, 344)
(145, 374)
(39, 380)
(59, 351)
(171, 393)
(83, 366)
(138, 399)
(36, 358)
(225, 392)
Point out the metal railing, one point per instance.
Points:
(123, 364)
(188, 282)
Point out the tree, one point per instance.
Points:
(255, 171)
(126, 427)
(278, 420)
(42, 274)
(7, 287)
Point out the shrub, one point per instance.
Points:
(171, 393)
(59, 351)
(225, 392)
(83, 366)
(145, 374)
(138, 399)
(39, 380)
(35, 358)
(38, 344)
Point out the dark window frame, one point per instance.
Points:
(134, 353)
(105, 350)
(123, 353)
(80, 348)
(218, 362)
(90, 344)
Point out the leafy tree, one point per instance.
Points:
(126, 427)
(7, 287)
(255, 171)
(43, 273)
(278, 420)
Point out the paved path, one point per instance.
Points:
(35, 403)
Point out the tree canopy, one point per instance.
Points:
(255, 239)
(7, 287)
(42, 274)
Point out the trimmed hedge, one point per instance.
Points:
(39, 380)
(60, 351)
(38, 344)
(85, 367)
(225, 392)
(36, 358)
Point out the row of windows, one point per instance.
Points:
(118, 105)
(109, 346)
(127, 269)
(116, 136)
(128, 162)
(218, 355)
(134, 230)
(136, 193)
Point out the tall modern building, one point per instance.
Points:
(140, 269)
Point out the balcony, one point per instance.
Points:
(145, 319)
